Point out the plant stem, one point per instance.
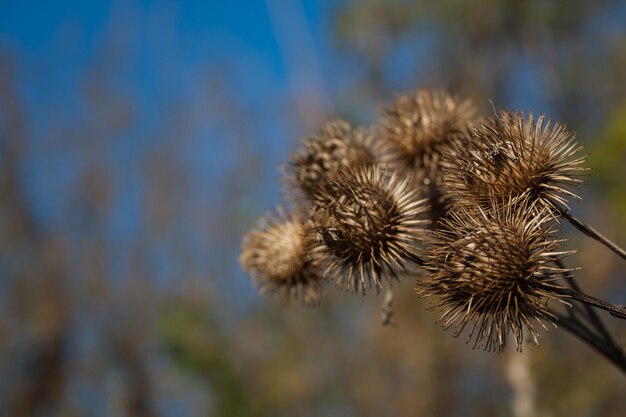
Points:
(593, 318)
(615, 310)
(610, 351)
(590, 231)
(386, 309)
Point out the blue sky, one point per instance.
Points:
(160, 51)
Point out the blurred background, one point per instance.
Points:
(140, 139)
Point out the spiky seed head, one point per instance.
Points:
(493, 271)
(366, 226)
(418, 128)
(320, 158)
(274, 254)
(515, 156)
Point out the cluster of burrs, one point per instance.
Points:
(469, 205)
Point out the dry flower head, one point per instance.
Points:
(418, 128)
(518, 157)
(274, 255)
(366, 226)
(493, 271)
(321, 157)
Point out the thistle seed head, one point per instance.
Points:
(321, 157)
(518, 157)
(417, 129)
(366, 226)
(274, 255)
(493, 271)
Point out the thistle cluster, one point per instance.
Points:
(472, 202)
(359, 223)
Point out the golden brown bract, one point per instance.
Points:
(274, 255)
(417, 129)
(515, 156)
(321, 157)
(365, 228)
(493, 270)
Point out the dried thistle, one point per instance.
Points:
(518, 157)
(321, 157)
(366, 226)
(274, 255)
(417, 129)
(496, 269)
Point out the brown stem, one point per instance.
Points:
(611, 352)
(590, 231)
(615, 310)
(593, 318)
(386, 309)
